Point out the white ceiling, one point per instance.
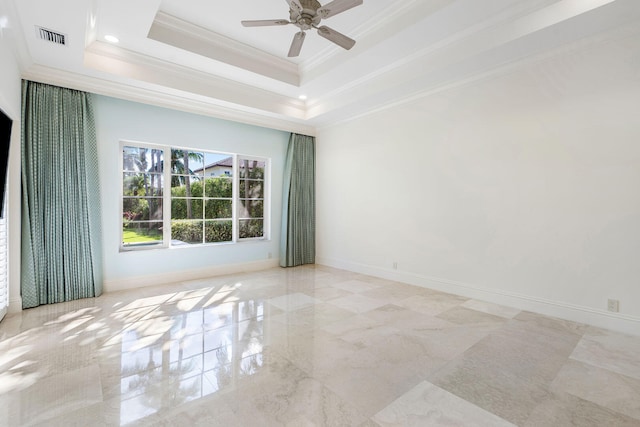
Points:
(196, 56)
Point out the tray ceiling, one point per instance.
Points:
(195, 55)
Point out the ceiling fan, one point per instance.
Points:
(307, 14)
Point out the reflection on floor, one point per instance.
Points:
(309, 346)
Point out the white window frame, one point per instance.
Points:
(166, 197)
(266, 198)
(166, 210)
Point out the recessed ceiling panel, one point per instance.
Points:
(276, 40)
(184, 35)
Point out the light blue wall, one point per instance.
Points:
(118, 120)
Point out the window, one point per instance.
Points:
(196, 197)
(251, 206)
(142, 197)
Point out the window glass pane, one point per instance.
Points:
(250, 168)
(142, 209)
(250, 189)
(142, 184)
(218, 231)
(186, 232)
(251, 209)
(141, 233)
(251, 228)
(183, 184)
(142, 203)
(217, 209)
(186, 208)
(218, 187)
(218, 164)
(185, 162)
(138, 159)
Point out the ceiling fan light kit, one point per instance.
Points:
(307, 14)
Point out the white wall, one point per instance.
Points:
(118, 120)
(520, 189)
(10, 99)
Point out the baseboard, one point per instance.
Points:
(587, 315)
(15, 305)
(185, 275)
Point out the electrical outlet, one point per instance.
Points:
(395, 265)
(613, 305)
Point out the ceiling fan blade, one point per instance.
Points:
(265, 22)
(336, 37)
(337, 6)
(295, 6)
(296, 44)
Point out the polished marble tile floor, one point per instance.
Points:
(309, 346)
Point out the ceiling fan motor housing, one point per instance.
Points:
(309, 16)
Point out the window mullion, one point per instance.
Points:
(235, 192)
(166, 197)
(266, 200)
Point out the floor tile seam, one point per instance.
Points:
(447, 358)
(539, 379)
(523, 342)
(591, 345)
(549, 330)
(509, 327)
(503, 319)
(563, 394)
(614, 372)
(459, 360)
(377, 325)
(508, 419)
(614, 359)
(365, 414)
(593, 402)
(467, 402)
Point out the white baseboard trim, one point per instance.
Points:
(15, 305)
(587, 315)
(185, 275)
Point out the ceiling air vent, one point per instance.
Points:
(51, 36)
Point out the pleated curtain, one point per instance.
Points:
(298, 239)
(61, 231)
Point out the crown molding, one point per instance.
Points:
(125, 63)
(184, 35)
(162, 97)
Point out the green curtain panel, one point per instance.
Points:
(298, 239)
(61, 236)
